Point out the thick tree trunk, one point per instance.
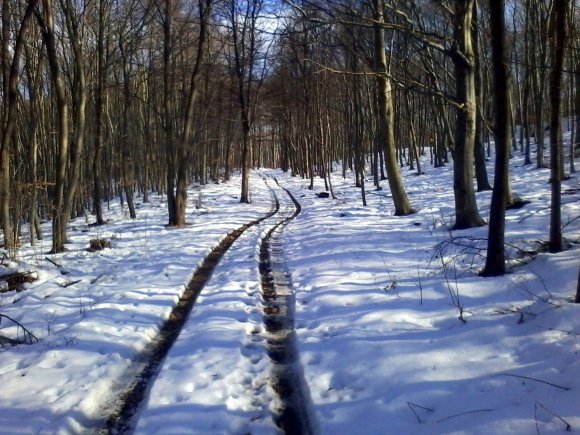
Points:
(60, 219)
(10, 81)
(33, 68)
(127, 141)
(8, 122)
(168, 113)
(557, 41)
(466, 211)
(80, 97)
(386, 116)
(575, 146)
(495, 260)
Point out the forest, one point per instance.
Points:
(111, 98)
(289, 216)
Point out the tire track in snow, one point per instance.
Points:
(146, 366)
(295, 413)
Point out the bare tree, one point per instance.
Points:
(248, 63)
(74, 17)
(495, 260)
(45, 18)
(386, 116)
(184, 153)
(103, 14)
(466, 211)
(10, 82)
(557, 30)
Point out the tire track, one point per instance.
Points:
(294, 414)
(147, 365)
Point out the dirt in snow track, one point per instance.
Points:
(293, 415)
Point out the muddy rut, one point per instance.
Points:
(292, 414)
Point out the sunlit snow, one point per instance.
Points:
(380, 342)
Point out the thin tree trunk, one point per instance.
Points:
(184, 155)
(479, 150)
(99, 123)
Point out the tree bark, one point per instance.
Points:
(495, 260)
(99, 114)
(59, 218)
(386, 116)
(10, 79)
(479, 150)
(577, 299)
(79, 92)
(184, 152)
(466, 211)
(168, 112)
(557, 41)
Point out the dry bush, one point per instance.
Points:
(16, 280)
(99, 244)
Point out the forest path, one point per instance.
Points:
(250, 243)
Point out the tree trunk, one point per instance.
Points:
(557, 41)
(466, 211)
(577, 299)
(386, 121)
(495, 260)
(576, 144)
(60, 219)
(479, 150)
(10, 81)
(99, 113)
(168, 113)
(33, 72)
(79, 92)
(183, 152)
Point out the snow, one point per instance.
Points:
(377, 304)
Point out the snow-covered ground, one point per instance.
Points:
(378, 299)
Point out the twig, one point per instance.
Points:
(568, 427)
(533, 379)
(543, 284)
(61, 268)
(539, 210)
(464, 413)
(94, 280)
(560, 330)
(411, 406)
(68, 284)
(570, 221)
(53, 262)
(533, 213)
(29, 337)
(527, 290)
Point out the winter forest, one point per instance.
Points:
(289, 216)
